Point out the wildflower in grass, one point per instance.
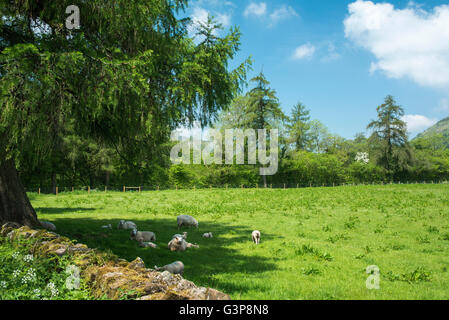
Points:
(16, 273)
(37, 292)
(3, 284)
(30, 276)
(28, 258)
(16, 254)
(52, 287)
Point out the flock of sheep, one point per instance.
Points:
(146, 239)
(178, 242)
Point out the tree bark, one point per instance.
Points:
(14, 203)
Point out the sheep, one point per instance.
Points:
(147, 245)
(126, 225)
(256, 236)
(179, 244)
(176, 267)
(184, 220)
(48, 225)
(183, 235)
(142, 236)
(208, 235)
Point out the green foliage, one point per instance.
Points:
(24, 276)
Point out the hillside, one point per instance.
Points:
(440, 127)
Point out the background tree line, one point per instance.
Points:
(309, 153)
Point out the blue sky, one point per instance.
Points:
(341, 58)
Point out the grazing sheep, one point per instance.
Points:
(189, 221)
(142, 236)
(147, 245)
(208, 235)
(176, 267)
(108, 226)
(179, 244)
(48, 225)
(256, 236)
(126, 225)
(183, 235)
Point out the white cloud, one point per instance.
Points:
(200, 16)
(256, 9)
(332, 53)
(305, 51)
(407, 43)
(417, 123)
(282, 13)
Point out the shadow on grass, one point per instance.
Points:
(214, 257)
(61, 210)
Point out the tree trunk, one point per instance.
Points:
(14, 203)
(53, 183)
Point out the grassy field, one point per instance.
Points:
(316, 242)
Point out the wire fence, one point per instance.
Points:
(138, 189)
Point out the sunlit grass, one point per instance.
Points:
(316, 242)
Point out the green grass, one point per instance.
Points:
(316, 242)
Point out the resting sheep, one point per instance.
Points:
(176, 267)
(208, 235)
(126, 225)
(189, 221)
(147, 245)
(183, 235)
(179, 244)
(142, 236)
(256, 236)
(48, 225)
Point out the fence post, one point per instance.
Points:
(105, 188)
(284, 186)
(39, 190)
(124, 188)
(72, 189)
(140, 188)
(56, 190)
(88, 189)
(271, 186)
(157, 188)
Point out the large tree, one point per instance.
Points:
(126, 77)
(299, 125)
(389, 137)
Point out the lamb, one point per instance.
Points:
(176, 267)
(183, 235)
(179, 244)
(126, 225)
(48, 225)
(256, 236)
(208, 235)
(189, 221)
(147, 245)
(142, 236)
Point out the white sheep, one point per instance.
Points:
(126, 225)
(48, 225)
(179, 244)
(185, 220)
(208, 235)
(147, 245)
(183, 235)
(256, 236)
(176, 267)
(142, 236)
